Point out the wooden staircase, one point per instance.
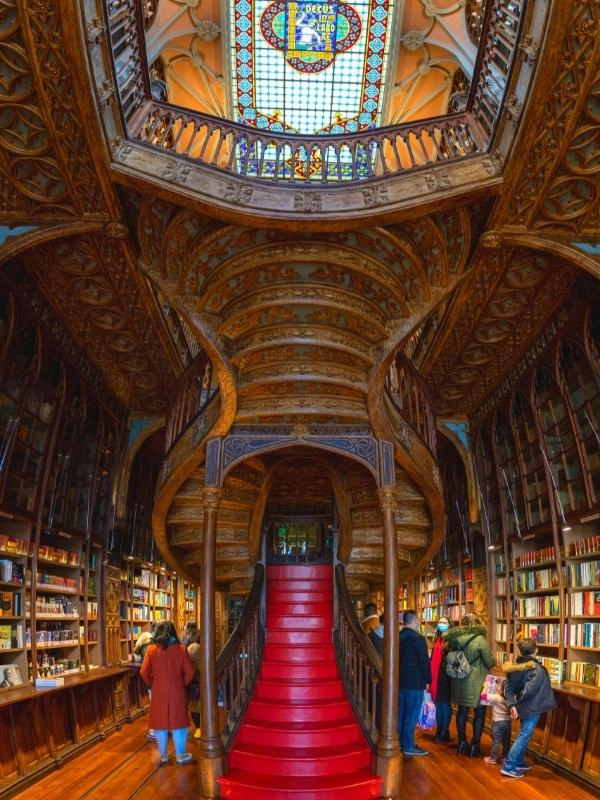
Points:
(299, 739)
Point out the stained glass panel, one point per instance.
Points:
(309, 67)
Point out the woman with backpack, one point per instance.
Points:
(470, 639)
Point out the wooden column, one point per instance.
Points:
(211, 747)
(389, 759)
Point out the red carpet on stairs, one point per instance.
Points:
(299, 739)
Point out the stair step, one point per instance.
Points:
(310, 690)
(298, 711)
(300, 762)
(300, 734)
(241, 785)
(292, 594)
(299, 671)
(302, 652)
(301, 571)
(292, 607)
(299, 585)
(278, 636)
(298, 623)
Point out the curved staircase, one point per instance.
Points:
(299, 739)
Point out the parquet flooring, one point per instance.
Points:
(125, 767)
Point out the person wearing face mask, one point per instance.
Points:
(440, 686)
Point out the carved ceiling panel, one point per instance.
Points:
(90, 281)
(511, 297)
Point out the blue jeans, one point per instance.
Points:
(410, 702)
(179, 740)
(443, 715)
(516, 754)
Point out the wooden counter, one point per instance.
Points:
(44, 726)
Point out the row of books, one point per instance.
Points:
(547, 605)
(11, 636)
(60, 581)
(583, 634)
(430, 598)
(586, 573)
(454, 613)
(584, 672)
(585, 604)
(583, 547)
(501, 609)
(58, 555)
(11, 604)
(536, 579)
(548, 633)
(501, 631)
(541, 556)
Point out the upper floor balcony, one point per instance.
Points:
(326, 165)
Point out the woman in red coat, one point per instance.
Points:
(167, 669)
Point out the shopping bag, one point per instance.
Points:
(427, 716)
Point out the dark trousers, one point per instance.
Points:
(478, 723)
(443, 715)
(500, 737)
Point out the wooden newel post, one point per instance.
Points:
(211, 746)
(389, 759)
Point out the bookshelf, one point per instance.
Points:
(147, 595)
(14, 554)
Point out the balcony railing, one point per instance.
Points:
(239, 149)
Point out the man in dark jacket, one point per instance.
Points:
(528, 694)
(415, 674)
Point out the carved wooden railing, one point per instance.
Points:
(239, 661)
(193, 393)
(495, 61)
(333, 159)
(251, 153)
(360, 663)
(125, 26)
(410, 397)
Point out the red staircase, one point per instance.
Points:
(299, 739)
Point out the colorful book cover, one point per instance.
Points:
(491, 685)
(10, 675)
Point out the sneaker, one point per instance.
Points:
(151, 736)
(164, 760)
(524, 768)
(511, 773)
(184, 759)
(197, 733)
(416, 752)
(491, 760)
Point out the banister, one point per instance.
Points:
(192, 397)
(360, 664)
(409, 396)
(238, 662)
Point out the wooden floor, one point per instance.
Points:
(125, 767)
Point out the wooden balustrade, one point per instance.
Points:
(250, 153)
(495, 61)
(239, 661)
(241, 150)
(410, 398)
(360, 663)
(192, 396)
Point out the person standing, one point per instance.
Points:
(370, 620)
(470, 637)
(501, 727)
(528, 694)
(168, 670)
(415, 674)
(440, 685)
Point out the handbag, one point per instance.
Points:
(457, 664)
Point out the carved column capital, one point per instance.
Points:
(211, 498)
(387, 500)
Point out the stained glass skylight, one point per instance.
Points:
(309, 67)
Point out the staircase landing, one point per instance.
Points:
(299, 739)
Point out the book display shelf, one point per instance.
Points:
(445, 591)
(191, 610)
